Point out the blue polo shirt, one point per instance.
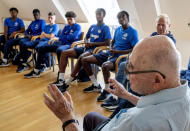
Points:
(98, 33)
(70, 34)
(51, 29)
(13, 25)
(36, 27)
(125, 39)
(170, 35)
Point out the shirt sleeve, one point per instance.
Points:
(63, 36)
(28, 29)
(21, 24)
(55, 30)
(75, 35)
(107, 34)
(135, 39)
(88, 33)
(43, 25)
(6, 22)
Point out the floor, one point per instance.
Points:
(21, 101)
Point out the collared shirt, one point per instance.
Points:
(166, 110)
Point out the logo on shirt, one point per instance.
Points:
(71, 31)
(125, 36)
(94, 36)
(51, 29)
(99, 31)
(16, 24)
(92, 29)
(36, 26)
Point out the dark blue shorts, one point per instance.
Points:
(101, 57)
(81, 50)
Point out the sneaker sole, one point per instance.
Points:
(92, 91)
(22, 70)
(110, 107)
(4, 65)
(28, 77)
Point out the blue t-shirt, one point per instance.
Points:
(51, 29)
(98, 33)
(70, 34)
(170, 35)
(36, 27)
(125, 39)
(13, 25)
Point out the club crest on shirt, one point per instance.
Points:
(16, 24)
(99, 31)
(36, 26)
(92, 29)
(51, 29)
(125, 36)
(94, 36)
(71, 31)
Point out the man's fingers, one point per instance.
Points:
(57, 92)
(49, 103)
(68, 97)
(52, 93)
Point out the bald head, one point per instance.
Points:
(158, 53)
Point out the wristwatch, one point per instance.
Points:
(66, 123)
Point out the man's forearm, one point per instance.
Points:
(131, 98)
(124, 51)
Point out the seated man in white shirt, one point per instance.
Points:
(153, 70)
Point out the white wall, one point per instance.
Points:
(4, 12)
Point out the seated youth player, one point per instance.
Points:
(12, 26)
(70, 33)
(35, 28)
(125, 38)
(99, 35)
(50, 31)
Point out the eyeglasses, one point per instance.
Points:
(146, 71)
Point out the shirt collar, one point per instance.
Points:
(164, 95)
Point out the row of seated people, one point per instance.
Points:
(124, 40)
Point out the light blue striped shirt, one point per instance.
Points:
(166, 110)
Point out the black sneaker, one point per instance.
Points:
(63, 87)
(32, 74)
(58, 82)
(42, 68)
(4, 64)
(103, 96)
(110, 104)
(93, 88)
(22, 67)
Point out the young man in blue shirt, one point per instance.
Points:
(35, 28)
(125, 38)
(99, 35)
(50, 31)
(70, 33)
(12, 26)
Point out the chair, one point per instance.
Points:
(102, 48)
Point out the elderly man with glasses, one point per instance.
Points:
(154, 73)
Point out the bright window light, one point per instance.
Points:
(111, 7)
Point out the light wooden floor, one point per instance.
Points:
(22, 107)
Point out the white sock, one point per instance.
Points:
(61, 76)
(94, 81)
(36, 70)
(69, 80)
(5, 60)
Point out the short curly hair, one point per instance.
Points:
(123, 12)
(70, 14)
(13, 9)
(102, 10)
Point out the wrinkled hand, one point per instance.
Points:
(113, 51)
(61, 105)
(117, 88)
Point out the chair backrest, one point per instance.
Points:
(82, 36)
